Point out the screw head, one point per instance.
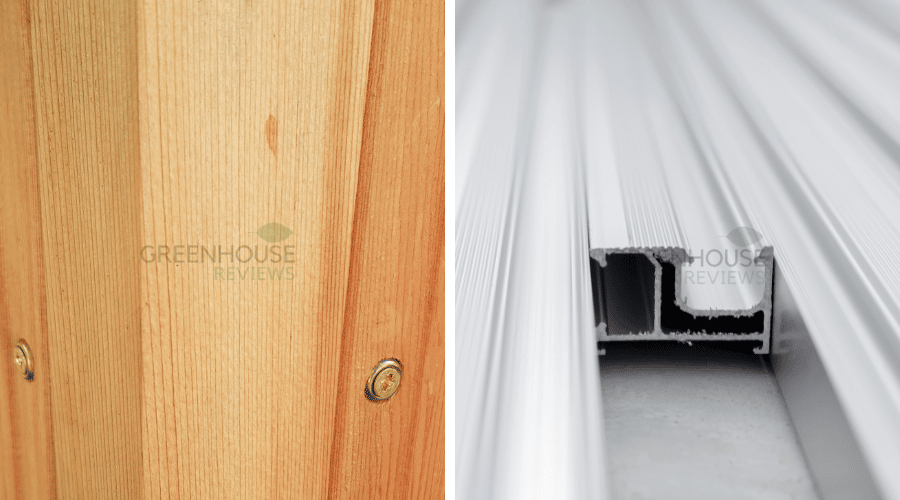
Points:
(385, 380)
(24, 360)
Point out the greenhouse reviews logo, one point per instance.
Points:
(269, 262)
(741, 266)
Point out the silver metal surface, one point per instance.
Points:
(646, 125)
(639, 296)
(798, 154)
(528, 407)
(835, 461)
(687, 422)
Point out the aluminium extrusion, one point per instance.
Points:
(629, 283)
(528, 403)
(744, 95)
(672, 125)
(675, 204)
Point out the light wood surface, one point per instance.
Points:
(395, 305)
(173, 125)
(85, 72)
(259, 122)
(26, 451)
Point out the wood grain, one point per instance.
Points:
(240, 374)
(265, 120)
(26, 451)
(156, 128)
(395, 304)
(85, 86)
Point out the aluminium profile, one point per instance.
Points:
(792, 147)
(656, 195)
(638, 296)
(684, 121)
(528, 407)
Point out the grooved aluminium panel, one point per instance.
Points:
(716, 116)
(528, 414)
(711, 127)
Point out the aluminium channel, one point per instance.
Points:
(663, 133)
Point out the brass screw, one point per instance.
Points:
(385, 380)
(24, 360)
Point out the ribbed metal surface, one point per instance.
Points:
(671, 124)
(527, 389)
